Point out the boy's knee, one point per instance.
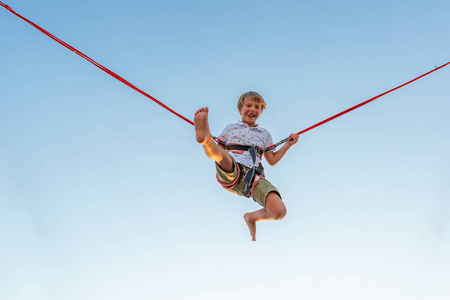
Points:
(275, 206)
(279, 214)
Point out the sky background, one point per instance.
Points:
(106, 195)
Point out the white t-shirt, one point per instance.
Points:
(241, 134)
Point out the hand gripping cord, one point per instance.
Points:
(270, 148)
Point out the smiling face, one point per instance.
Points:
(250, 111)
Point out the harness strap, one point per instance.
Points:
(259, 150)
(251, 178)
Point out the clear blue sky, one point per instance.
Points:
(105, 195)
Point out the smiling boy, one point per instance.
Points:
(236, 160)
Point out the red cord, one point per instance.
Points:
(368, 101)
(96, 64)
(272, 147)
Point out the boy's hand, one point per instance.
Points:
(293, 139)
(273, 158)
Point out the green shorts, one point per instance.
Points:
(262, 188)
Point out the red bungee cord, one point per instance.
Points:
(270, 148)
(96, 63)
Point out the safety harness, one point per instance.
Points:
(252, 175)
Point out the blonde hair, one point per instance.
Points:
(254, 96)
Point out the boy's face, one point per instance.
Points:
(250, 112)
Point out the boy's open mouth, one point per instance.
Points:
(251, 115)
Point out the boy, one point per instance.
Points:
(236, 160)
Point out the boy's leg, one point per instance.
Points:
(212, 150)
(275, 210)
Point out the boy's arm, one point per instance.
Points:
(273, 158)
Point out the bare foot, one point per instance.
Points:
(251, 225)
(202, 133)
